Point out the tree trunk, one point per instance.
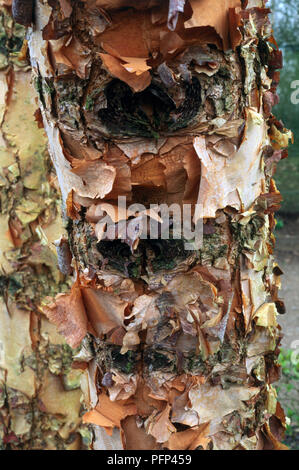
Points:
(40, 399)
(167, 103)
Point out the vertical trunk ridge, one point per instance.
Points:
(40, 397)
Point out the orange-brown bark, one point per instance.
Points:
(162, 103)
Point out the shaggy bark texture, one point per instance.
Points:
(167, 102)
(40, 397)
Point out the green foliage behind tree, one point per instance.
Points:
(286, 28)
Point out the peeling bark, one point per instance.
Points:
(40, 397)
(179, 347)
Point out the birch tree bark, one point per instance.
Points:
(167, 103)
(40, 399)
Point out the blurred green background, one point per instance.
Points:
(286, 30)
